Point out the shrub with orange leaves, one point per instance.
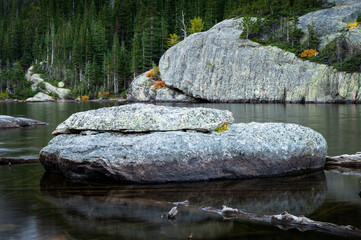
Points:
(154, 74)
(150, 74)
(104, 94)
(308, 53)
(84, 98)
(159, 84)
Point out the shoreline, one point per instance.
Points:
(122, 100)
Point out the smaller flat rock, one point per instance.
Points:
(40, 97)
(145, 118)
(13, 122)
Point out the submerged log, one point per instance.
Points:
(14, 161)
(287, 221)
(344, 162)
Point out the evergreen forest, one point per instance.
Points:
(101, 45)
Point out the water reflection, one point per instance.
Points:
(133, 211)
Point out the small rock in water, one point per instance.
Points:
(359, 194)
(171, 214)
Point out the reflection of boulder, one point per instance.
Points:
(133, 211)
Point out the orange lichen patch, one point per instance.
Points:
(353, 25)
(308, 53)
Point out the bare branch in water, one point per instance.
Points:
(287, 221)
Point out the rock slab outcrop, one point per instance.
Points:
(218, 66)
(242, 151)
(145, 118)
(13, 122)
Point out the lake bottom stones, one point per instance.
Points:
(244, 150)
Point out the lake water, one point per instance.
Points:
(34, 205)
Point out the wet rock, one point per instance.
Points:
(13, 122)
(145, 118)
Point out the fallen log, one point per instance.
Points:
(287, 221)
(14, 161)
(344, 162)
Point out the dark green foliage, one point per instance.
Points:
(100, 45)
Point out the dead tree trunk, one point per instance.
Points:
(288, 221)
(344, 163)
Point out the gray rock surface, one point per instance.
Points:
(13, 122)
(330, 24)
(145, 118)
(353, 38)
(218, 66)
(243, 151)
(343, 2)
(140, 90)
(40, 97)
(331, 20)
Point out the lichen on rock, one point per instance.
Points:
(145, 118)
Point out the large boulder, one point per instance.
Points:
(140, 90)
(167, 153)
(218, 66)
(13, 122)
(145, 118)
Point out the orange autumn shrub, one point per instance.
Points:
(84, 98)
(104, 94)
(150, 74)
(308, 53)
(159, 84)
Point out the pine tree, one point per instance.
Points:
(196, 25)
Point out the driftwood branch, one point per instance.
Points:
(287, 221)
(344, 162)
(13, 161)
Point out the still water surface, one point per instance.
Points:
(34, 205)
